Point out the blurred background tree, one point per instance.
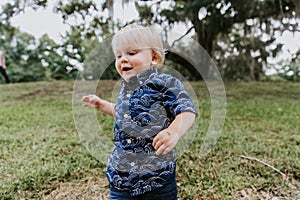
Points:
(240, 36)
(236, 34)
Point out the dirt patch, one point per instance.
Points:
(90, 188)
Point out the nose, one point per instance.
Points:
(124, 59)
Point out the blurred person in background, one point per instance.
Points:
(3, 67)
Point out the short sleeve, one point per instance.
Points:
(176, 99)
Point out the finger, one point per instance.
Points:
(160, 150)
(158, 144)
(155, 141)
(167, 150)
(86, 98)
(92, 98)
(88, 105)
(158, 139)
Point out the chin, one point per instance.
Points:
(127, 77)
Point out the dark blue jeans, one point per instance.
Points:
(167, 192)
(3, 72)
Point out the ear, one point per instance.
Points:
(155, 58)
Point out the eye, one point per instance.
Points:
(118, 56)
(131, 53)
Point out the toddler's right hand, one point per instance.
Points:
(92, 101)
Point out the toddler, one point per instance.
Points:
(152, 113)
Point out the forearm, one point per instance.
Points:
(182, 123)
(107, 107)
(167, 139)
(3, 63)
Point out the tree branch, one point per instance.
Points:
(188, 31)
(266, 164)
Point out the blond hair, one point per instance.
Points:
(135, 36)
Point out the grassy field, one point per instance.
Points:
(256, 157)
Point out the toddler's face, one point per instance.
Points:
(129, 63)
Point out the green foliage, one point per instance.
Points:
(21, 58)
(239, 36)
(42, 156)
(230, 31)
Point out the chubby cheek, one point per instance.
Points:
(118, 68)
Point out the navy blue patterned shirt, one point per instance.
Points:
(146, 105)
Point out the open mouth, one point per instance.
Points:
(125, 69)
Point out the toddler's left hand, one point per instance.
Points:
(165, 141)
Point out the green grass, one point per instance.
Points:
(41, 155)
